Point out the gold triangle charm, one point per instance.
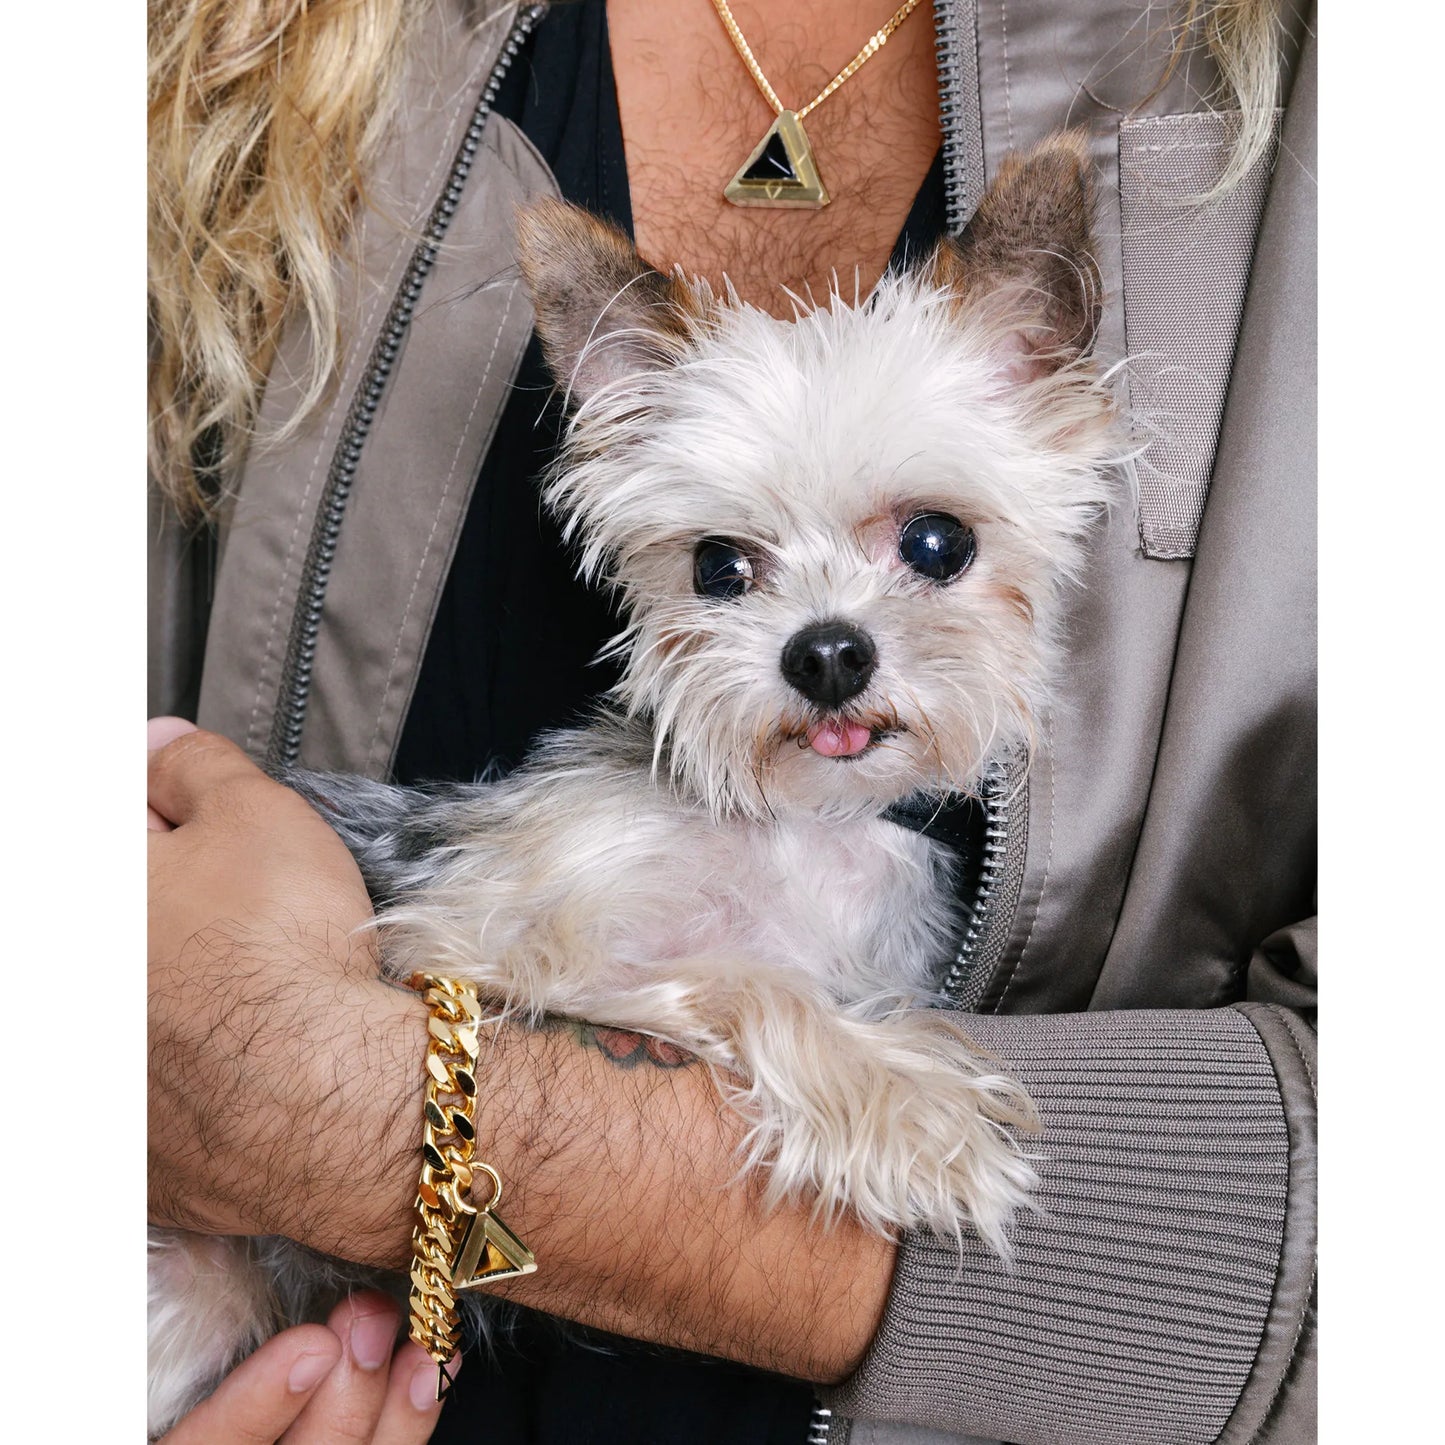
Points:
(490, 1252)
(781, 171)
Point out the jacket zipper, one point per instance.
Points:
(820, 1426)
(284, 746)
(955, 28)
(960, 987)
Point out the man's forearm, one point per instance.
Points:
(285, 1094)
(620, 1164)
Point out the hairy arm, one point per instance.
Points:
(621, 1169)
(286, 1091)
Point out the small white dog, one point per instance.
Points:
(840, 542)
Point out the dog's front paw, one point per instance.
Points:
(904, 1126)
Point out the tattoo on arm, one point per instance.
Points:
(624, 1047)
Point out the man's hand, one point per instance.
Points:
(269, 1027)
(338, 1384)
(286, 1089)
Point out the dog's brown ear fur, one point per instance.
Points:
(602, 311)
(1031, 239)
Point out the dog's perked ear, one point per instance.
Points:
(1027, 255)
(602, 312)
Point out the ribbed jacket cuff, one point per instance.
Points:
(1138, 1297)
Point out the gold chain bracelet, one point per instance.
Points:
(457, 1244)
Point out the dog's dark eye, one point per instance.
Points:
(720, 569)
(937, 546)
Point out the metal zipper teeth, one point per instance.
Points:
(994, 797)
(946, 48)
(284, 746)
(820, 1427)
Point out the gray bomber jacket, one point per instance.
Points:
(1141, 945)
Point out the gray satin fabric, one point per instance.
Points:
(178, 585)
(281, 486)
(1046, 66)
(418, 471)
(1091, 783)
(1284, 969)
(1226, 854)
(1186, 269)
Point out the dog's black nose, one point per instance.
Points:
(829, 663)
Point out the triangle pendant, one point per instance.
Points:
(490, 1252)
(781, 171)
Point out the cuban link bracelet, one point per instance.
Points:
(458, 1243)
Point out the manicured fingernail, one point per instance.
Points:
(308, 1372)
(163, 730)
(424, 1382)
(372, 1339)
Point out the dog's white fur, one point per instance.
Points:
(688, 865)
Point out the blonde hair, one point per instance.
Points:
(1243, 37)
(264, 116)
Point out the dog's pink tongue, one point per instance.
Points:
(838, 739)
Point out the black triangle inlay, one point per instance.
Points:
(446, 1385)
(773, 164)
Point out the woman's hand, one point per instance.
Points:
(338, 1384)
(284, 1077)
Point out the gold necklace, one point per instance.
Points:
(781, 170)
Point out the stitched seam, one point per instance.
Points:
(1007, 92)
(436, 521)
(281, 592)
(1287, 1019)
(1175, 146)
(510, 165)
(1043, 883)
(1299, 1333)
(1179, 121)
(363, 333)
(1292, 1025)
